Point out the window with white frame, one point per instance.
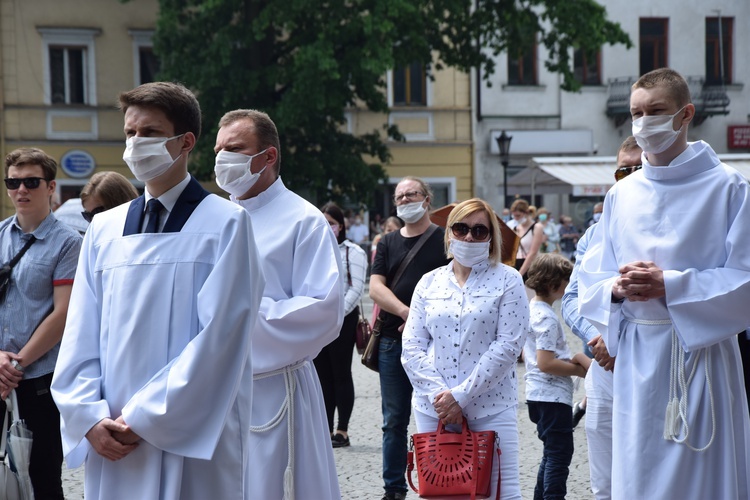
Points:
(145, 63)
(69, 65)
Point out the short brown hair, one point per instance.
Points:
(264, 128)
(32, 156)
(111, 188)
(629, 144)
(671, 80)
(520, 205)
(547, 273)
(468, 207)
(175, 100)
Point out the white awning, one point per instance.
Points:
(584, 176)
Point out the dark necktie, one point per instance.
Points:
(153, 209)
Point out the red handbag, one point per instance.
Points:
(452, 463)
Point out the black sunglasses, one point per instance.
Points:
(90, 215)
(480, 232)
(29, 182)
(623, 172)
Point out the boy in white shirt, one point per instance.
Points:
(549, 368)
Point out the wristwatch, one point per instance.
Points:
(15, 364)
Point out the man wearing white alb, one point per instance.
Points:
(156, 349)
(666, 280)
(301, 312)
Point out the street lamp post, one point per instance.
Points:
(503, 144)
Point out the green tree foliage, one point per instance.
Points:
(305, 61)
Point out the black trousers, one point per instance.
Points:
(745, 354)
(38, 410)
(334, 367)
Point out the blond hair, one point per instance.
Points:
(111, 188)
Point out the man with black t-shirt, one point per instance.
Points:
(412, 198)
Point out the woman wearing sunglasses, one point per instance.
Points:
(105, 190)
(466, 328)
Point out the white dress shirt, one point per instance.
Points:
(466, 339)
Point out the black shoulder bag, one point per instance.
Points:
(7, 269)
(370, 356)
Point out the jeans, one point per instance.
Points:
(395, 392)
(554, 426)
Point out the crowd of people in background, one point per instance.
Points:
(240, 318)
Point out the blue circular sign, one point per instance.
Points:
(78, 164)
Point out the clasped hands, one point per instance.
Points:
(112, 439)
(448, 409)
(639, 281)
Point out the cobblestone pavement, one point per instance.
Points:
(359, 465)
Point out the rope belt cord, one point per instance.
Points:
(676, 415)
(287, 407)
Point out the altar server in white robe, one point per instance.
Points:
(666, 279)
(301, 312)
(157, 342)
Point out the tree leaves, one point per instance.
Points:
(305, 62)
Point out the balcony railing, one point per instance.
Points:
(708, 100)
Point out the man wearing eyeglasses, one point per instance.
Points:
(412, 198)
(598, 382)
(34, 307)
(666, 281)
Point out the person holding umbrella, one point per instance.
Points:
(32, 316)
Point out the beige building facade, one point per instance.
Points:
(63, 64)
(434, 116)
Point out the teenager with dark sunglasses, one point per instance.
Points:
(33, 314)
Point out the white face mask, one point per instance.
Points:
(233, 173)
(411, 212)
(655, 133)
(469, 254)
(147, 157)
(597, 216)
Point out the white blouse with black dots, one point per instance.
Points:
(466, 339)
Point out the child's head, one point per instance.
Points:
(548, 272)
